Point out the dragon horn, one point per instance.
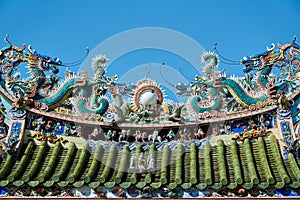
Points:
(271, 48)
(33, 51)
(6, 39)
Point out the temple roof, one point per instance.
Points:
(247, 164)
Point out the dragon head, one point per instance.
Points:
(251, 63)
(261, 61)
(44, 63)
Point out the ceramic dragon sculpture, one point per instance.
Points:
(30, 89)
(121, 107)
(42, 89)
(251, 91)
(93, 92)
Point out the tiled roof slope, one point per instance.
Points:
(247, 164)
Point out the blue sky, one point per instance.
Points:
(64, 28)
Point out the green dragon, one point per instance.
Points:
(211, 89)
(89, 95)
(43, 91)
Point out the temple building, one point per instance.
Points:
(89, 135)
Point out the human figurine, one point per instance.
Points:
(138, 135)
(185, 133)
(199, 134)
(95, 133)
(181, 136)
(190, 134)
(154, 136)
(196, 134)
(114, 134)
(215, 131)
(39, 125)
(48, 126)
(109, 135)
(171, 135)
(128, 135)
(79, 131)
(227, 129)
(265, 125)
(122, 135)
(251, 125)
(132, 162)
(58, 127)
(71, 130)
(144, 136)
(141, 162)
(158, 138)
(150, 162)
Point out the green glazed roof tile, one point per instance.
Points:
(255, 163)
